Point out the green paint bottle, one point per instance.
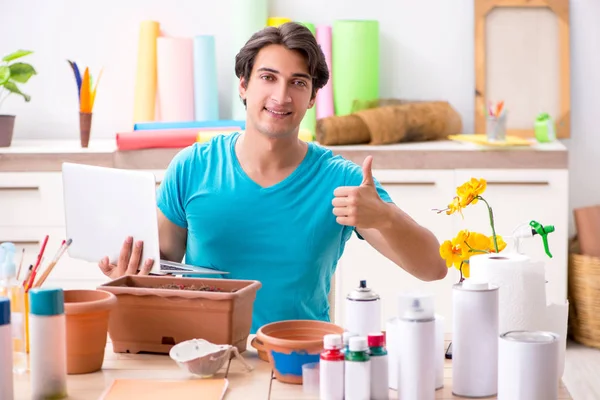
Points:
(357, 370)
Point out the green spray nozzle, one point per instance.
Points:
(543, 231)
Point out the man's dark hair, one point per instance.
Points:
(293, 36)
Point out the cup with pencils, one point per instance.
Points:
(496, 122)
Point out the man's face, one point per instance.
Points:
(278, 92)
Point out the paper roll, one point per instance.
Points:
(475, 339)
(221, 124)
(277, 21)
(145, 79)
(355, 58)
(206, 93)
(249, 17)
(324, 103)
(309, 122)
(175, 77)
(163, 138)
(527, 366)
(440, 355)
(522, 297)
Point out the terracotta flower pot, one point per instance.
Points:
(291, 344)
(87, 313)
(7, 125)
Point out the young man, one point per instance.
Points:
(267, 206)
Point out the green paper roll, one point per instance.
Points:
(249, 17)
(355, 63)
(309, 122)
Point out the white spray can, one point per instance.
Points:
(47, 335)
(475, 339)
(363, 311)
(331, 368)
(357, 368)
(416, 352)
(379, 367)
(6, 351)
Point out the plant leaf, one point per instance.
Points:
(93, 95)
(4, 74)
(21, 72)
(12, 87)
(16, 54)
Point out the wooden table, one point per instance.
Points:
(257, 384)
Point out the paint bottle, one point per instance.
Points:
(6, 351)
(357, 370)
(346, 338)
(11, 288)
(416, 347)
(331, 369)
(363, 311)
(47, 335)
(379, 367)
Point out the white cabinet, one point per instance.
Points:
(517, 196)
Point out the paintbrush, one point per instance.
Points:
(59, 253)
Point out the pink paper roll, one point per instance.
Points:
(175, 78)
(163, 138)
(324, 101)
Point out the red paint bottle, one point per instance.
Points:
(331, 369)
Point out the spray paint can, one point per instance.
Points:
(475, 339)
(357, 369)
(416, 352)
(331, 368)
(528, 365)
(363, 311)
(379, 367)
(6, 351)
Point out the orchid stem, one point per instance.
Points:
(491, 214)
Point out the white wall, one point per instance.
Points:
(426, 53)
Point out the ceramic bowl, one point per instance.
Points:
(202, 358)
(291, 344)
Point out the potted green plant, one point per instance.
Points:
(11, 75)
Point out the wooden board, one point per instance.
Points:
(522, 56)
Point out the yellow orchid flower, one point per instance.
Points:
(465, 269)
(501, 244)
(470, 191)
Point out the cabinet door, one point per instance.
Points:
(417, 193)
(517, 197)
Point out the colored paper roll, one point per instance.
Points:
(355, 57)
(163, 138)
(144, 105)
(206, 93)
(309, 122)
(175, 78)
(277, 21)
(324, 104)
(248, 17)
(217, 124)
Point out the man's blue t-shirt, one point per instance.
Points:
(285, 236)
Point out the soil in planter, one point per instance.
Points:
(177, 286)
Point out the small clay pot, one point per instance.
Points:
(87, 313)
(291, 344)
(7, 125)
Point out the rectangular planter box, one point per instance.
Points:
(152, 317)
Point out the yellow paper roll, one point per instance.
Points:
(145, 80)
(276, 21)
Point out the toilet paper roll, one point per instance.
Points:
(522, 283)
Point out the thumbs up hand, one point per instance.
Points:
(360, 206)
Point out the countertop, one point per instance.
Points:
(256, 384)
(48, 155)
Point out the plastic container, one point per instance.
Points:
(331, 384)
(202, 358)
(311, 378)
(291, 344)
(357, 370)
(154, 313)
(48, 353)
(6, 354)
